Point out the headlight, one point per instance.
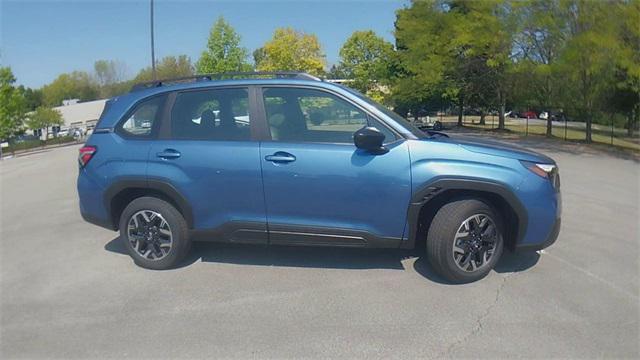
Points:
(547, 171)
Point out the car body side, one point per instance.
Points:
(226, 201)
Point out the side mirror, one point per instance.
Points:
(370, 139)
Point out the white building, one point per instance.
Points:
(82, 115)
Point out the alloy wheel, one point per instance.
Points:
(150, 235)
(475, 243)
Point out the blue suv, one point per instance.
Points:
(289, 159)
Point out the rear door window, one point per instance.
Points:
(211, 114)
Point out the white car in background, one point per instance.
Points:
(544, 115)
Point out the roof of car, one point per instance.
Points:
(227, 82)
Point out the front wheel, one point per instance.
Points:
(465, 240)
(154, 233)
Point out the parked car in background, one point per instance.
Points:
(554, 115)
(77, 133)
(295, 160)
(63, 132)
(529, 115)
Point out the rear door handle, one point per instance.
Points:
(168, 154)
(280, 157)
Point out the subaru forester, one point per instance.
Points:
(289, 159)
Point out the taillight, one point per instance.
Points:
(85, 154)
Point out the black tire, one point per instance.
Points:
(442, 233)
(181, 243)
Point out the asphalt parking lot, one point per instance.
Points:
(68, 291)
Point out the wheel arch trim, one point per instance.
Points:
(430, 190)
(156, 185)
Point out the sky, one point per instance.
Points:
(41, 39)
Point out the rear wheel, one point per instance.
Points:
(154, 233)
(465, 240)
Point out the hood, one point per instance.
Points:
(498, 148)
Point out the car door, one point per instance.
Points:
(207, 152)
(319, 188)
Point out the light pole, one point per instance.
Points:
(153, 54)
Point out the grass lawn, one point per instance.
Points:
(558, 131)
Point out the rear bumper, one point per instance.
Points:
(97, 221)
(551, 238)
(90, 196)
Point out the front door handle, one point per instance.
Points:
(168, 154)
(280, 157)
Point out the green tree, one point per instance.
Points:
(167, 68)
(44, 118)
(109, 72)
(223, 52)
(258, 56)
(33, 97)
(293, 51)
(111, 77)
(541, 37)
(487, 31)
(366, 58)
(626, 97)
(75, 85)
(336, 72)
(12, 105)
(452, 46)
(588, 61)
(433, 53)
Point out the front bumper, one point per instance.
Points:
(551, 238)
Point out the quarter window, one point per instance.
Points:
(307, 115)
(213, 114)
(142, 119)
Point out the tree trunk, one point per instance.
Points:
(461, 110)
(588, 122)
(587, 104)
(636, 119)
(548, 90)
(503, 107)
(482, 116)
(630, 123)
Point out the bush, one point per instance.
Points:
(60, 140)
(31, 144)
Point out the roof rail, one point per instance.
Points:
(220, 76)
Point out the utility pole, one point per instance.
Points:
(153, 53)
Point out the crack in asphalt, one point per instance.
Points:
(480, 319)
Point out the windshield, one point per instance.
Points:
(393, 115)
